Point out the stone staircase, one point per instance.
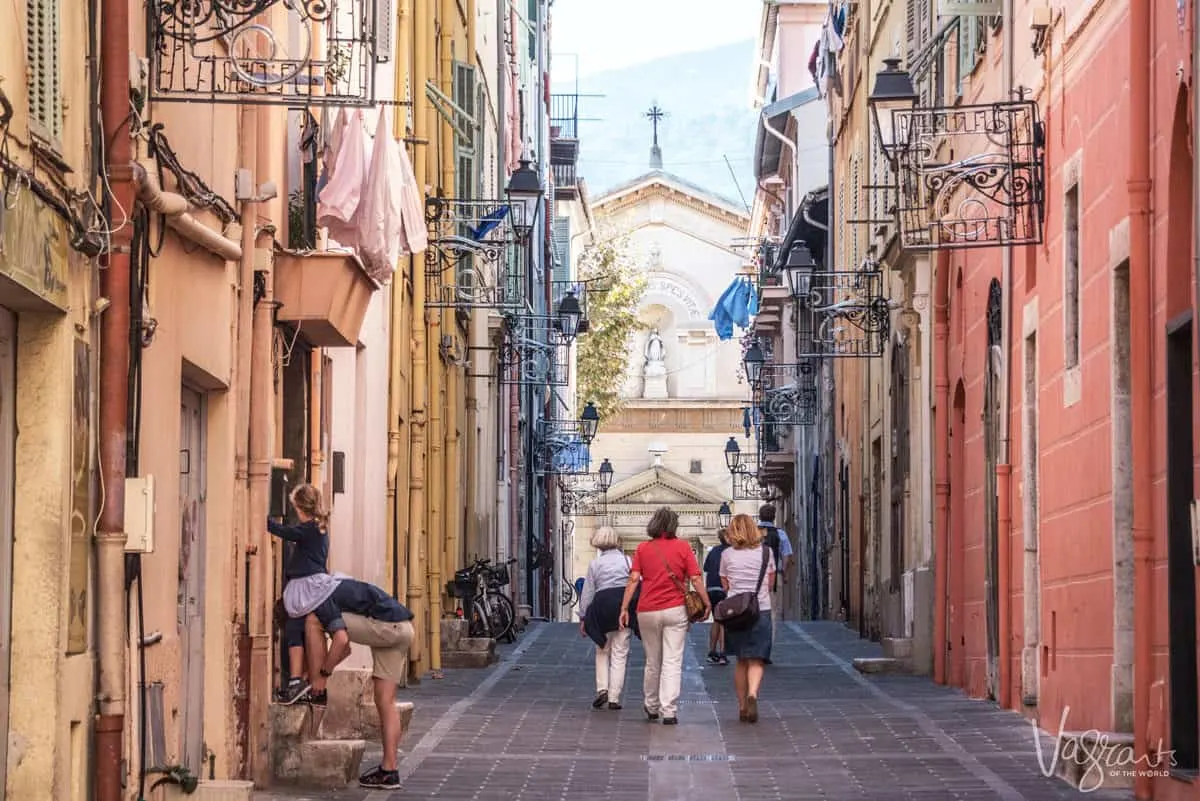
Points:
(897, 658)
(323, 748)
(459, 650)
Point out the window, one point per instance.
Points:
(696, 466)
(45, 91)
(463, 91)
(1071, 278)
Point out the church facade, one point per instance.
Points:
(684, 393)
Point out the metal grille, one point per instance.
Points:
(472, 259)
(319, 52)
(843, 314)
(787, 394)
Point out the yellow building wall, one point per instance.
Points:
(50, 695)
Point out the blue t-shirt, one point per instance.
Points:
(712, 567)
(310, 548)
(361, 598)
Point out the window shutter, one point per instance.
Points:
(41, 42)
(561, 236)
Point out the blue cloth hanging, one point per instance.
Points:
(737, 304)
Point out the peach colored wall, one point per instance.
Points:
(1086, 114)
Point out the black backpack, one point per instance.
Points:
(771, 540)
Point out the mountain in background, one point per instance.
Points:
(706, 97)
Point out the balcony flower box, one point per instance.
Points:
(324, 293)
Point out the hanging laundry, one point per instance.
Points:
(416, 235)
(338, 201)
(333, 128)
(379, 215)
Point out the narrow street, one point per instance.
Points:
(524, 729)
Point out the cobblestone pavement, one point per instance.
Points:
(525, 729)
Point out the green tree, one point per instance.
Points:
(615, 288)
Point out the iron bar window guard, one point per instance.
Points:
(994, 195)
(472, 259)
(787, 394)
(293, 53)
(534, 353)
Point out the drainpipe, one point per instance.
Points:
(941, 447)
(417, 529)
(111, 633)
(176, 209)
(1003, 465)
(398, 342)
(1141, 355)
(793, 188)
(243, 525)
(262, 444)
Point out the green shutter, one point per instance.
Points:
(561, 237)
(45, 91)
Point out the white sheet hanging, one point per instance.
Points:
(339, 199)
(380, 214)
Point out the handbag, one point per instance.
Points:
(697, 610)
(740, 612)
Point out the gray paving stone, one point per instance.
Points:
(525, 729)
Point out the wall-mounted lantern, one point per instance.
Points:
(589, 422)
(893, 92)
(525, 192)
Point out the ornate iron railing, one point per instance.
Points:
(747, 486)
(295, 53)
(993, 195)
(559, 449)
(787, 394)
(472, 260)
(581, 495)
(843, 314)
(534, 353)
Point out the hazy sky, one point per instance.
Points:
(610, 34)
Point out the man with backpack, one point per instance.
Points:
(781, 547)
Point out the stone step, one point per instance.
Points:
(323, 764)
(898, 647)
(880, 665)
(1098, 759)
(461, 660)
(360, 721)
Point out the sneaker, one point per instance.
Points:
(651, 716)
(296, 690)
(613, 705)
(317, 699)
(601, 699)
(722, 660)
(714, 658)
(670, 721)
(380, 778)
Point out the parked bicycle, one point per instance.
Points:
(479, 590)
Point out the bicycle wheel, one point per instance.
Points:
(501, 616)
(479, 625)
(569, 598)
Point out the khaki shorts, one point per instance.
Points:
(389, 643)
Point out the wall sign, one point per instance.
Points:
(34, 247)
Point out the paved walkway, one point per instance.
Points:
(525, 729)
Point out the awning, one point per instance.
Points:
(768, 148)
(810, 225)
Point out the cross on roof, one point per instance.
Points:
(654, 115)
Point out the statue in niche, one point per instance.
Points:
(655, 372)
(655, 349)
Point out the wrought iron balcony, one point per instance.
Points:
(564, 144)
(535, 353)
(472, 259)
(300, 53)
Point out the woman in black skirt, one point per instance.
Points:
(741, 569)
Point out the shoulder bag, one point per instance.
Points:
(740, 612)
(697, 610)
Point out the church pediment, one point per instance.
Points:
(659, 486)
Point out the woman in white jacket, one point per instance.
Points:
(599, 615)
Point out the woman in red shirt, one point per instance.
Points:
(663, 565)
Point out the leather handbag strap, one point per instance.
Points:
(762, 572)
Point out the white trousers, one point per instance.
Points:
(664, 636)
(610, 664)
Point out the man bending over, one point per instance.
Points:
(368, 616)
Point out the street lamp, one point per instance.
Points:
(725, 514)
(589, 421)
(569, 315)
(733, 455)
(799, 269)
(606, 475)
(524, 192)
(753, 362)
(893, 92)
